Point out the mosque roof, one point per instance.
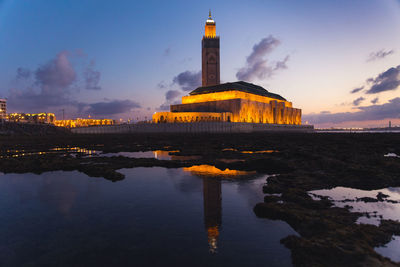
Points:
(239, 86)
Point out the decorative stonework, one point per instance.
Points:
(228, 102)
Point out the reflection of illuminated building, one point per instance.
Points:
(165, 155)
(83, 122)
(210, 171)
(229, 102)
(32, 118)
(3, 108)
(212, 196)
(212, 210)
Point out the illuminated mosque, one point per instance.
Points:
(227, 102)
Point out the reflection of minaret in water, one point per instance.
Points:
(212, 210)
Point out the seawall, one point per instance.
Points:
(199, 127)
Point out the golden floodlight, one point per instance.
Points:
(210, 27)
(209, 170)
(237, 102)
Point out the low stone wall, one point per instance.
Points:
(199, 127)
(21, 128)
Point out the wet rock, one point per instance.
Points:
(381, 196)
(328, 236)
(367, 199)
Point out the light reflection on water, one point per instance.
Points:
(209, 170)
(154, 217)
(384, 208)
(391, 250)
(259, 151)
(393, 155)
(156, 154)
(15, 153)
(388, 208)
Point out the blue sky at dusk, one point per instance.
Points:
(129, 59)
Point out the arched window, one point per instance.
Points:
(211, 58)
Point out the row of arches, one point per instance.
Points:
(183, 119)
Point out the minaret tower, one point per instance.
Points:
(210, 54)
(212, 210)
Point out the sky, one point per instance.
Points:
(339, 61)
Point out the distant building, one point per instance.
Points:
(230, 102)
(83, 122)
(48, 118)
(3, 108)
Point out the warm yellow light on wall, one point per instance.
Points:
(210, 30)
(83, 122)
(210, 27)
(184, 117)
(226, 95)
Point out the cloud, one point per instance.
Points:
(56, 75)
(325, 112)
(374, 112)
(188, 80)
(375, 100)
(265, 46)
(170, 97)
(92, 77)
(166, 106)
(162, 85)
(167, 51)
(355, 90)
(282, 64)
(171, 94)
(344, 104)
(111, 107)
(23, 73)
(379, 55)
(386, 81)
(257, 66)
(163, 107)
(30, 100)
(51, 87)
(358, 101)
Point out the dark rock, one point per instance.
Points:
(367, 199)
(328, 236)
(381, 196)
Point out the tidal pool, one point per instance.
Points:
(15, 153)
(387, 206)
(365, 201)
(156, 154)
(391, 250)
(154, 217)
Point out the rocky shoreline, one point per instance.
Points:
(328, 236)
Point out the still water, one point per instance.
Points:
(387, 208)
(154, 217)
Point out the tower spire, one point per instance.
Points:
(210, 54)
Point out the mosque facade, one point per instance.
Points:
(227, 102)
